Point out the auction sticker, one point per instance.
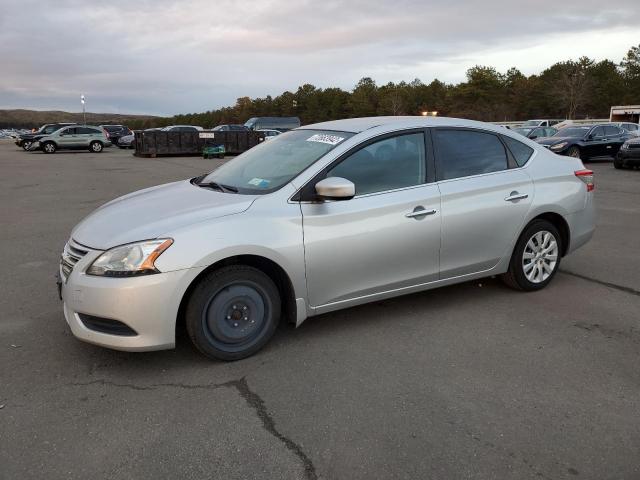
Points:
(323, 138)
(259, 182)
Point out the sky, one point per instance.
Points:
(166, 57)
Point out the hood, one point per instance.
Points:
(554, 140)
(633, 140)
(155, 211)
(30, 136)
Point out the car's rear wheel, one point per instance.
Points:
(617, 163)
(95, 147)
(574, 152)
(233, 312)
(536, 258)
(26, 145)
(49, 147)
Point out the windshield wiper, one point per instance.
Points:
(218, 186)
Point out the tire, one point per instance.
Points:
(574, 152)
(522, 276)
(617, 163)
(49, 147)
(95, 147)
(232, 312)
(25, 145)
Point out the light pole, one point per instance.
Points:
(84, 116)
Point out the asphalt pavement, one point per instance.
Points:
(469, 381)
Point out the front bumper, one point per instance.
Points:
(629, 156)
(147, 304)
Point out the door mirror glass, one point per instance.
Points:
(335, 188)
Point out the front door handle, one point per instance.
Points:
(419, 212)
(513, 196)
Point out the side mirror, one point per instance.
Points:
(335, 188)
(591, 136)
(533, 137)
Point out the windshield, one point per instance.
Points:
(531, 123)
(523, 131)
(270, 165)
(49, 129)
(572, 132)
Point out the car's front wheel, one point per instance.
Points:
(232, 312)
(49, 147)
(95, 147)
(536, 258)
(574, 152)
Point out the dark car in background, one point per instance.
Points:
(229, 128)
(114, 132)
(26, 139)
(536, 132)
(586, 141)
(629, 154)
(282, 124)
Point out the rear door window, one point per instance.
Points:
(611, 131)
(463, 153)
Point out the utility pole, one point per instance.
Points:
(84, 116)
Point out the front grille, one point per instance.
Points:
(71, 255)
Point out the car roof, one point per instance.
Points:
(357, 125)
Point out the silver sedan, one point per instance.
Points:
(321, 218)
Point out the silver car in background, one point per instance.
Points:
(321, 218)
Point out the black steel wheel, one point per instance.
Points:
(233, 312)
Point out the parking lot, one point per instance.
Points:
(469, 381)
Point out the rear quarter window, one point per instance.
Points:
(521, 152)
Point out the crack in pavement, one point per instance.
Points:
(622, 288)
(253, 400)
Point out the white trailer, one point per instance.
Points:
(625, 113)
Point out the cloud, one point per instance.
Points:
(164, 57)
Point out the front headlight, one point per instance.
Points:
(625, 146)
(558, 146)
(130, 260)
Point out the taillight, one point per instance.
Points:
(587, 177)
(106, 133)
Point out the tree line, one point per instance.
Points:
(571, 89)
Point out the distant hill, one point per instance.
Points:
(34, 118)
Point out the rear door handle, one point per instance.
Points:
(513, 196)
(419, 212)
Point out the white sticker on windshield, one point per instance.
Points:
(259, 182)
(330, 139)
